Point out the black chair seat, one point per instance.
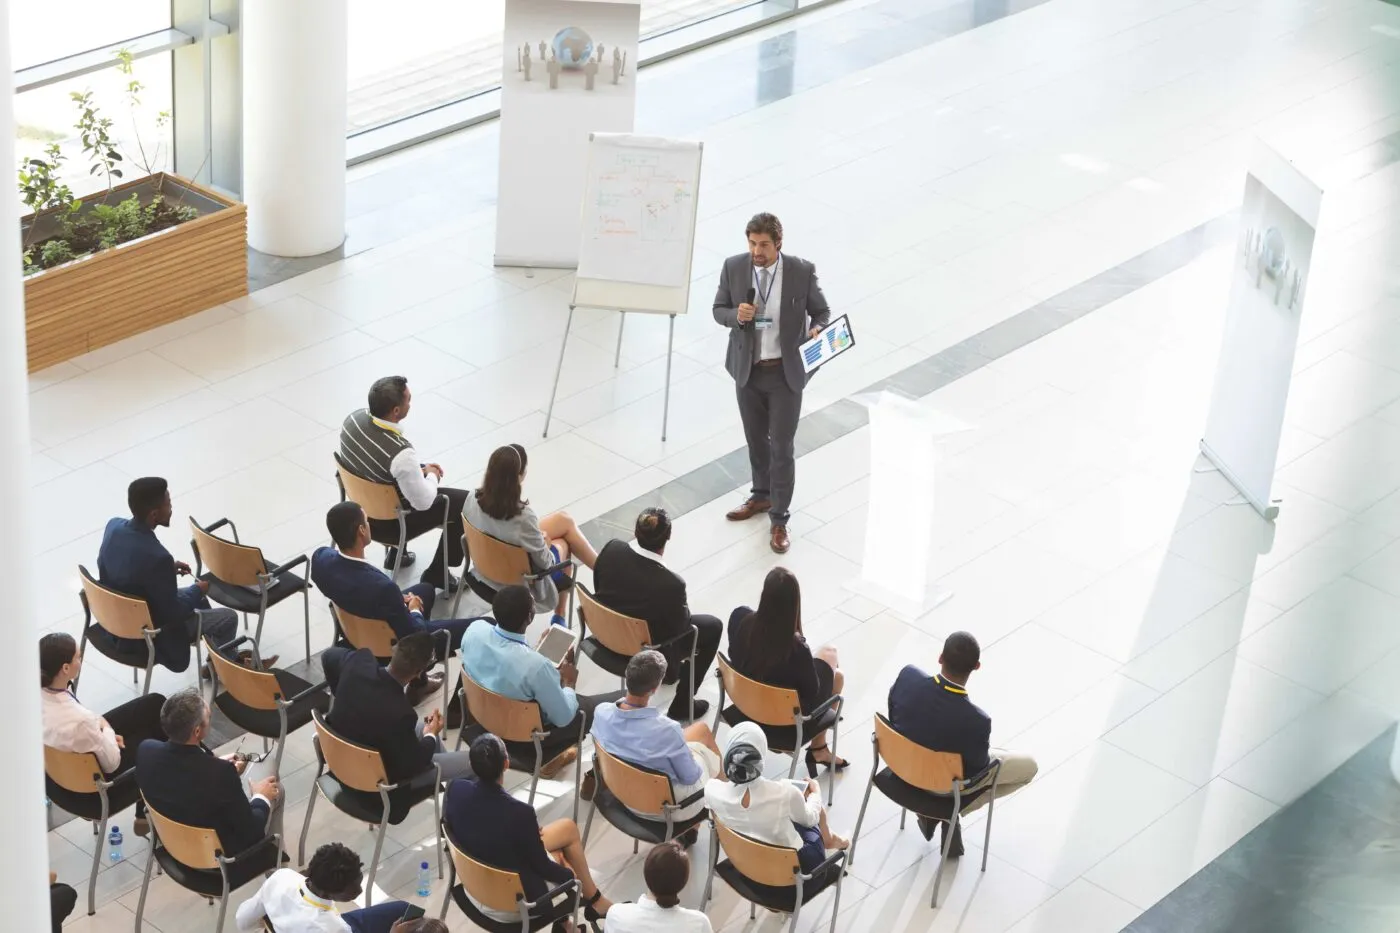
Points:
(639, 827)
(782, 899)
(923, 802)
(264, 722)
(120, 795)
(487, 592)
(783, 738)
(606, 658)
(367, 807)
(209, 882)
(547, 915)
(128, 651)
(241, 599)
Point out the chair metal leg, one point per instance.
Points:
(145, 882)
(796, 906)
(306, 618)
(951, 829)
(223, 907)
(987, 836)
(836, 904)
(860, 818)
(374, 860)
(902, 815)
(753, 910)
(451, 883)
(534, 782)
(96, 863)
(306, 824)
(831, 771)
(588, 823)
(714, 860)
(437, 817)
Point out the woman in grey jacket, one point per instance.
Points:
(497, 509)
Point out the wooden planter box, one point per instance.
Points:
(115, 293)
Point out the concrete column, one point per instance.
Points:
(23, 865)
(294, 115)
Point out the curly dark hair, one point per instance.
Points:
(334, 870)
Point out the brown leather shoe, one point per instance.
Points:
(779, 541)
(418, 692)
(748, 510)
(588, 788)
(559, 762)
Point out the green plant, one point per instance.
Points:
(117, 223)
(149, 163)
(39, 186)
(55, 252)
(95, 132)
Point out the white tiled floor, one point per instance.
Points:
(1180, 668)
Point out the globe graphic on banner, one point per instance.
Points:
(572, 46)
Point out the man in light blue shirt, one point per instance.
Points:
(636, 732)
(500, 659)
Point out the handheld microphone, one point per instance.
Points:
(748, 300)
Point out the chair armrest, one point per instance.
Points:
(299, 559)
(309, 691)
(993, 764)
(696, 797)
(831, 701)
(251, 850)
(124, 777)
(693, 633)
(832, 859)
(567, 562)
(549, 896)
(235, 642)
(210, 529)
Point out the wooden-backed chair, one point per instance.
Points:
(242, 579)
(194, 859)
(617, 638)
(770, 876)
(269, 704)
(778, 712)
(490, 558)
(378, 636)
(382, 502)
(476, 883)
(625, 791)
(518, 723)
(75, 782)
(109, 613)
(930, 783)
(358, 786)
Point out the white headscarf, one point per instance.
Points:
(744, 753)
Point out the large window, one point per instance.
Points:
(446, 50)
(48, 29)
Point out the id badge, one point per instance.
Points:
(762, 322)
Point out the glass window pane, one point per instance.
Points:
(664, 15)
(43, 31)
(48, 115)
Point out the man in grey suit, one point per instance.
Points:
(771, 304)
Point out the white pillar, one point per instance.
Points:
(294, 115)
(23, 872)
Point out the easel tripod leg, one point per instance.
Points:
(557, 370)
(666, 404)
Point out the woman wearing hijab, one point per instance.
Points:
(778, 812)
(498, 509)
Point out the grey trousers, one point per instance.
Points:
(769, 408)
(453, 764)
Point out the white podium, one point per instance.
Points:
(569, 70)
(898, 568)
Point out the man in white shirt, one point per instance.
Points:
(297, 904)
(374, 447)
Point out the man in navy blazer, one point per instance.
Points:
(937, 713)
(183, 781)
(362, 589)
(132, 561)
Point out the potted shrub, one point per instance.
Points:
(140, 253)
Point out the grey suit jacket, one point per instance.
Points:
(804, 307)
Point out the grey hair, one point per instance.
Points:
(645, 671)
(181, 714)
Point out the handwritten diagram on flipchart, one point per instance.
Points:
(639, 217)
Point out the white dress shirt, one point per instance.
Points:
(646, 916)
(769, 346)
(285, 900)
(774, 806)
(419, 488)
(71, 727)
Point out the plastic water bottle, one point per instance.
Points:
(114, 844)
(425, 880)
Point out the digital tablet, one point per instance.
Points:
(555, 644)
(833, 340)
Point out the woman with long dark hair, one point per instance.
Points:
(766, 644)
(498, 508)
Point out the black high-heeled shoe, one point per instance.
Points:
(589, 912)
(833, 764)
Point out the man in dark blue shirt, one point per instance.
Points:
(132, 561)
(937, 713)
